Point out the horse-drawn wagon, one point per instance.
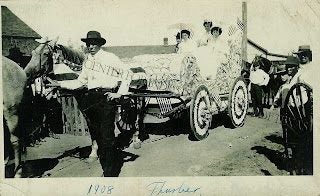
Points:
(167, 94)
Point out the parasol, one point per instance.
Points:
(181, 26)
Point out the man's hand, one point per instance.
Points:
(52, 83)
(112, 96)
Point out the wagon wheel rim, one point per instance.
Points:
(298, 102)
(126, 122)
(297, 122)
(239, 103)
(201, 116)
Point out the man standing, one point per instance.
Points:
(258, 78)
(307, 70)
(107, 79)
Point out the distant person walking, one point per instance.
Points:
(258, 78)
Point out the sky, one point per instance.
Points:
(279, 26)
(120, 22)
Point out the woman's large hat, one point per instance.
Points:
(207, 22)
(186, 31)
(94, 37)
(216, 29)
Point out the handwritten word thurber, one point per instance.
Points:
(97, 189)
(159, 188)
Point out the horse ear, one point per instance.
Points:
(53, 42)
(43, 40)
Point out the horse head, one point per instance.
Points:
(42, 59)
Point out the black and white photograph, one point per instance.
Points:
(181, 97)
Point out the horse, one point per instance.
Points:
(14, 83)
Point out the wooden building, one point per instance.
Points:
(18, 39)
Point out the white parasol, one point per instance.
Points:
(182, 26)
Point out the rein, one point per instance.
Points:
(42, 71)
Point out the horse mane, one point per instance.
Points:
(72, 55)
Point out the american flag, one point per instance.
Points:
(233, 28)
(240, 24)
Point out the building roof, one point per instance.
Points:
(13, 26)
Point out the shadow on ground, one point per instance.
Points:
(275, 139)
(274, 156)
(36, 168)
(181, 126)
(277, 157)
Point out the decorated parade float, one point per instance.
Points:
(178, 83)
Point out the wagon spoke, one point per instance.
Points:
(296, 105)
(291, 112)
(301, 101)
(290, 126)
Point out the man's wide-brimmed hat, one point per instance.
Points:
(94, 37)
(304, 50)
(292, 61)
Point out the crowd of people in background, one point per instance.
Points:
(292, 71)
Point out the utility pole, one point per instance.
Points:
(245, 33)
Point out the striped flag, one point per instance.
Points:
(240, 24)
(232, 29)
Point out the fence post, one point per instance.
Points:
(64, 120)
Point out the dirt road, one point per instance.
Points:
(254, 149)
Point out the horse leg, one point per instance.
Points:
(12, 122)
(17, 156)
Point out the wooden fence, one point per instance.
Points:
(73, 120)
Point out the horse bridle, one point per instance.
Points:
(42, 70)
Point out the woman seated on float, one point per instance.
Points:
(187, 44)
(210, 57)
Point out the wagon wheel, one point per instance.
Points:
(297, 125)
(200, 116)
(238, 102)
(128, 115)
